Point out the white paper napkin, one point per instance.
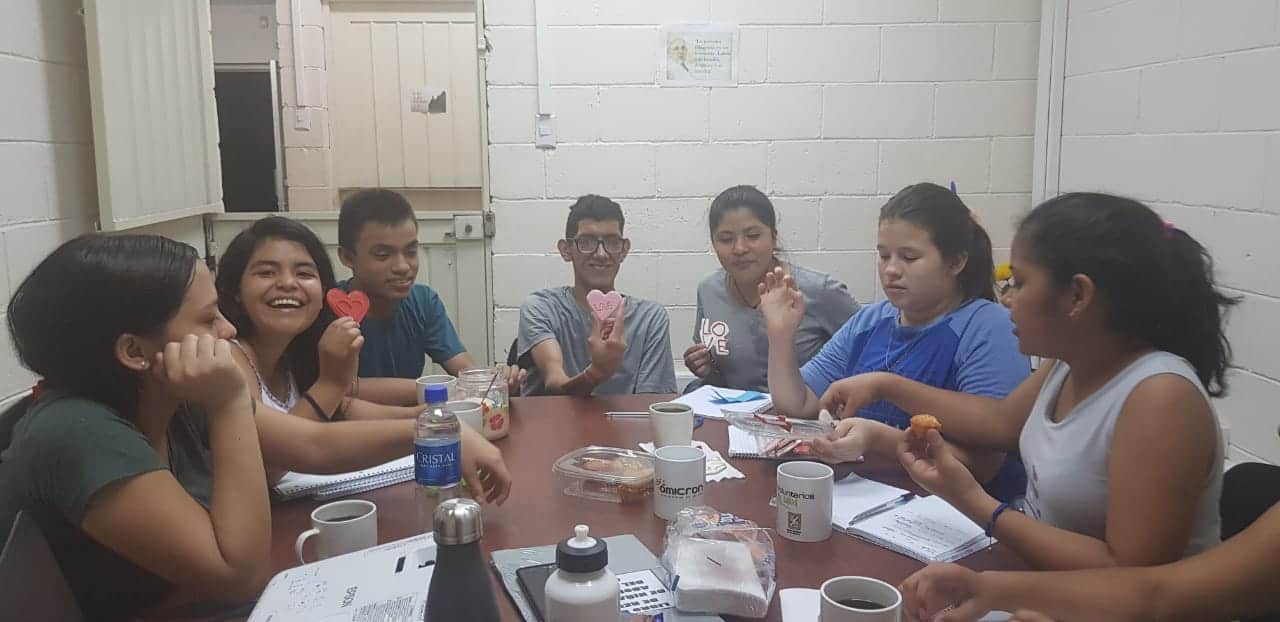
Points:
(802, 604)
(718, 468)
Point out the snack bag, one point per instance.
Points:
(719, 563)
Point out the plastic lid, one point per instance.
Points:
(582, 553)
(607, 464)
(436, 393)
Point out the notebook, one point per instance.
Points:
(325, 487)
(924, 528)
(704, 401)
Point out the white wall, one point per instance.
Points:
(1178, 104)
(308, 153)
(841, 104)
(243, 32)
(48, 184)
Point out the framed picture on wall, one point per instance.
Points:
(698, 55)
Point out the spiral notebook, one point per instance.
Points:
(325, 487)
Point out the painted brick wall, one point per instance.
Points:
(48, 183)
(841, 104)
(1186, 117)
(308, 161)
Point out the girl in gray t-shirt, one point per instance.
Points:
(730, 346)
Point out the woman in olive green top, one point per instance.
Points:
(139, 459)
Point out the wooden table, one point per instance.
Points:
(537, 513)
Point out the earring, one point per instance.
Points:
(146, 365)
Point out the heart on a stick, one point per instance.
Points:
(603, 305)
(354, 305)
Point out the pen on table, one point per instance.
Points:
(888, 505)
(623, 414)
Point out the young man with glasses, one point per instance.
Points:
(576, 353)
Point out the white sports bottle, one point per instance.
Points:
(583, 589)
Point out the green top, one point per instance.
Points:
(66, 449)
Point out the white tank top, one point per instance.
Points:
(267, 397)
(1067, 461)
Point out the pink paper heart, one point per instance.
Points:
(603, 305)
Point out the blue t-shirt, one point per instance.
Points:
(420, 327)
(970, 350)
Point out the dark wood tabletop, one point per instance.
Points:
(537, 513)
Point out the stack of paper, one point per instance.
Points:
(324, 487)
(709, 401)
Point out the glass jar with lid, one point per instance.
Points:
(487, 386)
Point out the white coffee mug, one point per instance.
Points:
(469, 412)
(804, 501)
(859, 599)
(444, 379)
(672, 424)
(679, 479)
(341, 527)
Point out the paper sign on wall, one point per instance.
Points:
(427, 100)
(698, 55)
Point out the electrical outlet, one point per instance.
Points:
(544, 131)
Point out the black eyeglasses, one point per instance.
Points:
(587, 245)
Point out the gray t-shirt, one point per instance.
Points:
(646, 366)
(735, 334)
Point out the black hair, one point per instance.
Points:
(1156, 281)
(379, 205)
(592, 207)
(953, 230)
(743, 197)
(303, 353)
(67, 314)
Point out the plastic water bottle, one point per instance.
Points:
(437, 455)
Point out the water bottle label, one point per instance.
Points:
(437, 464)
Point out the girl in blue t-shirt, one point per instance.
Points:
(939, 325)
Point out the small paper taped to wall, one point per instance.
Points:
(427, 100)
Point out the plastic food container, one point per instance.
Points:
(606, 474)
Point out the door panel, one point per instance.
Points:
(382, 54)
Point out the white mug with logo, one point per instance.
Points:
(804, 501)
(341, 527)
(679, 479)
(859, 599)
(672, 424)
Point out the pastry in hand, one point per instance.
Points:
(921, 424)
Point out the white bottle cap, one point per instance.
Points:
(580, 539)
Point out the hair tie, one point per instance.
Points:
(38, 389)
(1168, 230)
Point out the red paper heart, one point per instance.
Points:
(354, 305)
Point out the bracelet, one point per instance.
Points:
(991, 524)
(306, 395)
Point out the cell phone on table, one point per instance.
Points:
(533, 582)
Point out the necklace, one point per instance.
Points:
(741, 296)
(893, 334)
(738, 290)
(281, 405)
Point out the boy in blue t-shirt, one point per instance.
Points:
(407, 322)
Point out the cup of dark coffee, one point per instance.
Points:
(341, 527)
(859, 599)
